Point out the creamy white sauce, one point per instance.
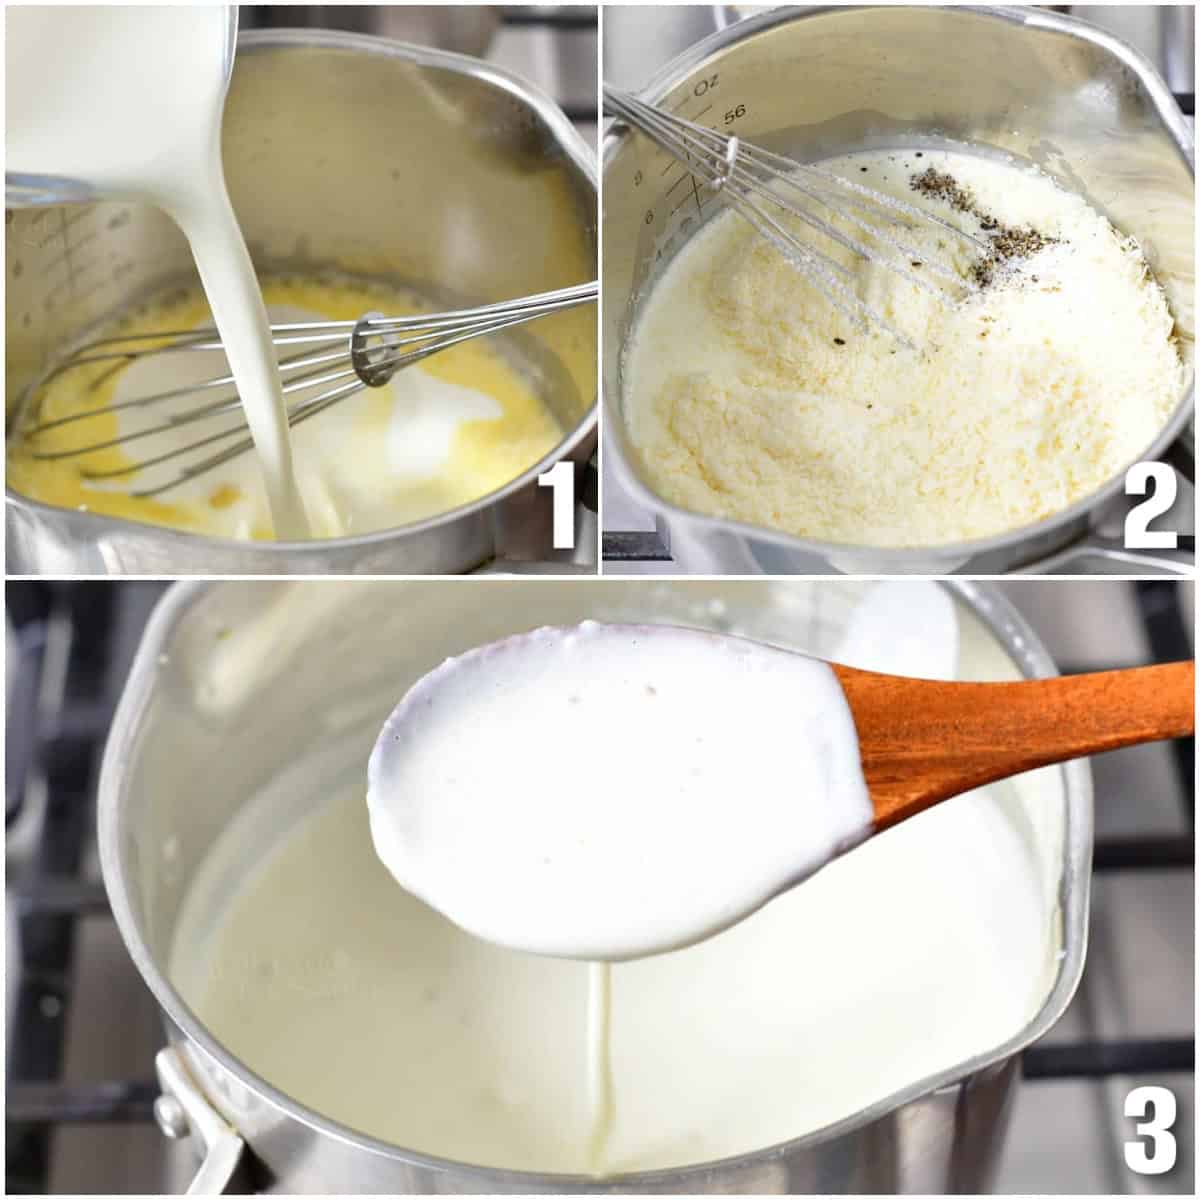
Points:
(611, 791)
(749, 396)
(929, 944)
(903, 627)
(129, 101)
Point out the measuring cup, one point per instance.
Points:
(813, 83)
(22, 190)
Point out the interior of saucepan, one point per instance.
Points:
(352, 156)
(813, 86)
(249, 696)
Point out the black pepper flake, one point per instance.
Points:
(940, 186)
(863, 170)
(839, 341)
(1006, 246)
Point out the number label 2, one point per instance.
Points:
(1158, 483)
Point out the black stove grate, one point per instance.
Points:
(53, 743)
(55, 733)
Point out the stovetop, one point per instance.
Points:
(83, 1028)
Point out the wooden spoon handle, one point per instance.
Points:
(924, 741)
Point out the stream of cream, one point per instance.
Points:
(599, 1065)
(129, 99)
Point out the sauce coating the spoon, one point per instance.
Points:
(605, 792)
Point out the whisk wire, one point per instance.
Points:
(370, 350)
(753, 181)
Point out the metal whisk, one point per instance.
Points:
(761, 186)
(343, 358)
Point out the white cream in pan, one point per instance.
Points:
(923, 947)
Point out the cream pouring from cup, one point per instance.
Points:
(132, 110)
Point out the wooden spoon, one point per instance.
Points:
(924, 741)
(729, 772)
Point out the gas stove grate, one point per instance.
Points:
(59, 708)
(70, 671)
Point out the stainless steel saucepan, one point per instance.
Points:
(361, 155)
(234, 680)
(812, 82)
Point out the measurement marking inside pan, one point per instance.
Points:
(682, 177)
(687, 175)
(23, 239)
(679, 205)
(694, 194)
(73, 272)
(64, 227)
(68, 250)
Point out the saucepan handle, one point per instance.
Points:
(511, 558)
(1180, 561)
(182, 1110)
(1181, 454)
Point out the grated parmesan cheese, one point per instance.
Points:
(749, 396)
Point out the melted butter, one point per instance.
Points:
(439, 435)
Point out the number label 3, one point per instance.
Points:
(1153, 1111)
(1138, 481)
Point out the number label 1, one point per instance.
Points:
(561, 477)
(1153, 1111)
(1138, 480)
